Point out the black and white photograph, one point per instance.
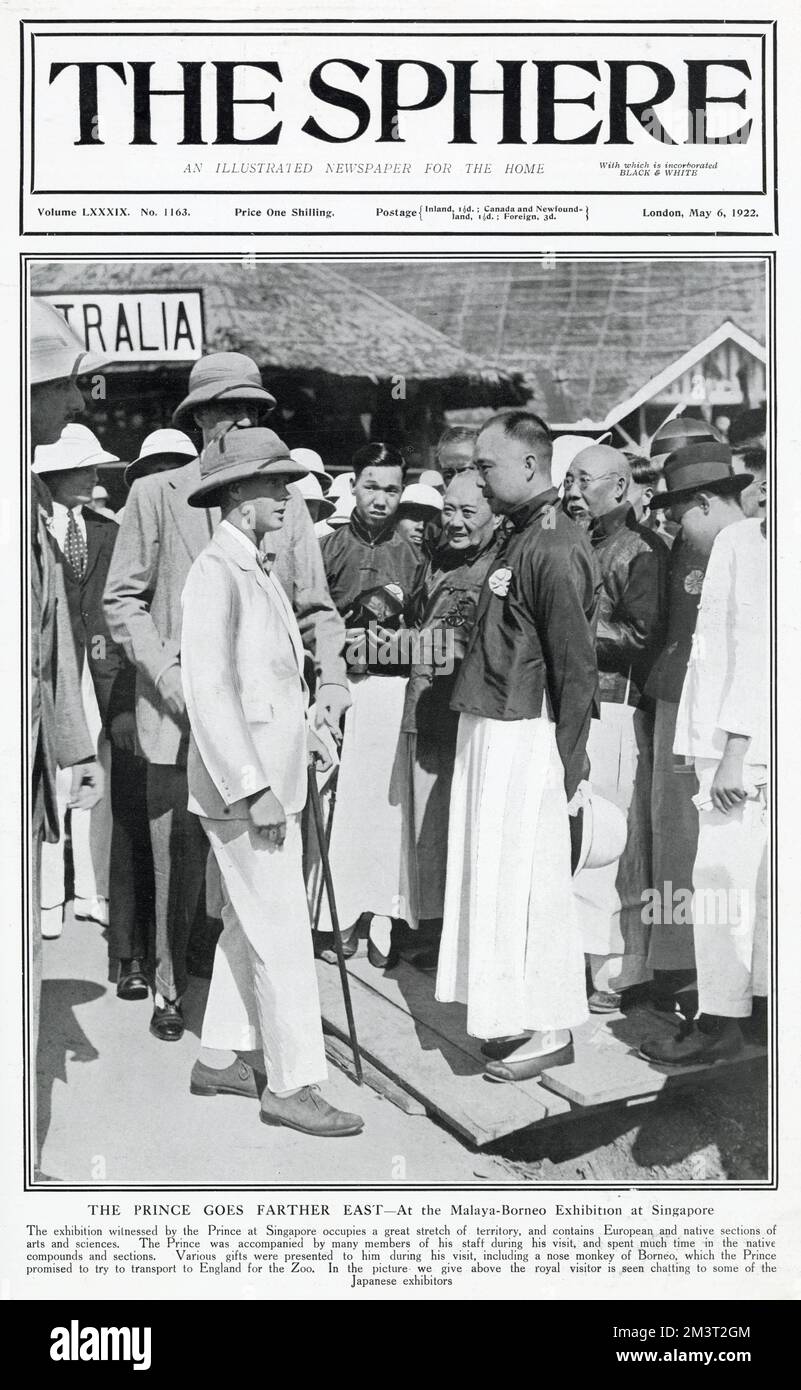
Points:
(401, 742)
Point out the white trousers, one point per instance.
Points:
(610, 899)
(263, 991)
(90, 832)
(730, 900)
(511, 946)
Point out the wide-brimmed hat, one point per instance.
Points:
(310, 490)
(76, 447)
(239, 452)
(603, 833)
(679, 432)
(341, 514)
(431, 477)
(159, 445)
(566, 447)
(223, 376)
(55, 350)
(341, 486)
(704, 467)
(311, 461)
(419, 495)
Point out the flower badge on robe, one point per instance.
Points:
(499, 582)
(694, 582)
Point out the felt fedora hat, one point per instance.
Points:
(237, 453)
(704, 467)
(55, 351)
(678, 433)
(220, 376)
(160, 445)
(76, 447)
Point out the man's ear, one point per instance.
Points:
(647, 494)
(531, 465)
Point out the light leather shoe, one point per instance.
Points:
(527, 1069)
(307, 1111)
(91, 910)
(239, 1079)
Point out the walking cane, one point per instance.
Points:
(332, 797)
(314, 797)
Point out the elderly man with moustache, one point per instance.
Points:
(160, 536)
(511, 944)
(633, 565)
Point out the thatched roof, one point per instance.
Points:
(584, 334)
(288, 316)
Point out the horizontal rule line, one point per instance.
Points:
(386, 193)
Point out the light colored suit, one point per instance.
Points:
(242, 669)
(160, 537)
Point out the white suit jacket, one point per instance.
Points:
(241, 665)
(726, 688)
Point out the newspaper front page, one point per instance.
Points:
(413, 381)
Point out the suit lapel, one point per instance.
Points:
(248, 562)
(94, 542)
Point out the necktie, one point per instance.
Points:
(75, 547)
(266, 562)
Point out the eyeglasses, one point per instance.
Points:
(584, 479)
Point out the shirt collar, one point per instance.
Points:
(610, 522)
(245, 541)
(59, 510)
(519, 519)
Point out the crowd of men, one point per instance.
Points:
(532, 686)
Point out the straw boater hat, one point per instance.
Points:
(242, 451)
(77, 447)
(159, 445)
(221, 376)
(704, 467)
(309, 488)
(419, 495)
(310, 459)
(56, 352)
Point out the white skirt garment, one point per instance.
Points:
(511, 946)
(367, 829)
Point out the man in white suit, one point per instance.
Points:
(159, 538)
(242, 673)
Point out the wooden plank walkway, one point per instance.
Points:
(423, 1047)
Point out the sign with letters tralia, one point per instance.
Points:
(154, 325)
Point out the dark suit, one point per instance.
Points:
(114, 680)
(59, 736)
